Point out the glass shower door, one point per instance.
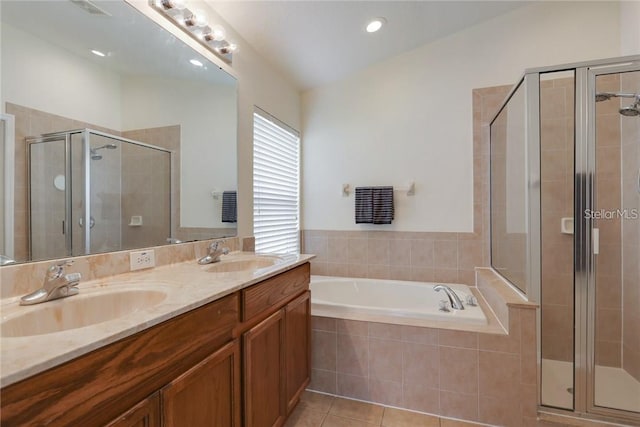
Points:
(48, 198)
(616, 246)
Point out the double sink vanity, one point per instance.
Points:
(222, 344)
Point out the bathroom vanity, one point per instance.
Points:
(240, 359)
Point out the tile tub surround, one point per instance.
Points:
(478, 376)
(186, 284)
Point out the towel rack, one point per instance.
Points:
(409, 188)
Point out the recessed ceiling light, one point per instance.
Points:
(97, 52)
(375, 25)
(196, 63)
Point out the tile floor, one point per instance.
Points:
(321, 410)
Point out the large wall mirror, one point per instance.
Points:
(125, 137)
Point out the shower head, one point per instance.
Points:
(94, 151)
(631, 111)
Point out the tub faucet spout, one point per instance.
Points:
(455, 301)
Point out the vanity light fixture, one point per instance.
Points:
(375, 25)
(196, 62)
(194, 23)
(97, 52)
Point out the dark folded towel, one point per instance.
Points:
(229, 206)
(374, 205)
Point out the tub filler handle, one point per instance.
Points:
(444, 305)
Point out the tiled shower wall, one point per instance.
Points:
(418, 256)
(630, 138)
(557, 150)
(147, 187)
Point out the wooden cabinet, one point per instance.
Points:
(276, 346)
(144, 414)
(297, 348)
(207, 395)
(263, 367)
(240, 360)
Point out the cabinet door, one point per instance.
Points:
(144, 414)
(298, 347)
(265, 405)
(208, 394)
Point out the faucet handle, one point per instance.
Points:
(444, 305)
(56, 269)
(471, 300)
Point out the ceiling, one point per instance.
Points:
(320, 41)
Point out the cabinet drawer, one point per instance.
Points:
(272, 292)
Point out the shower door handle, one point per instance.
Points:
(595, 234)
(92, 222)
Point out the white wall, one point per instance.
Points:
(630, 34)
(41, 75)
(410, 117)
(204, 112)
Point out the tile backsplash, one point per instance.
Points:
(20, 279)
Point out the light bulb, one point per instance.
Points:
(97, 52)
(173, 4)
(218, 33)
(196, 62)
(197, 19)
(375, 25)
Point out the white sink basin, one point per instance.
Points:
(77, 311)
(242, 265)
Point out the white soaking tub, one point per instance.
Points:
(389, 301)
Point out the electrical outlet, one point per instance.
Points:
(142, 259)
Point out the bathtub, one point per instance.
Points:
(390, 301)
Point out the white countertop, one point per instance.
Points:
(187, 285)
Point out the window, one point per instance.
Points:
(276, 185)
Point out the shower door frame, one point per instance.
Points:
(86, 166)
(585, 262)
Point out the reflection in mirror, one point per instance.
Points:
(509, 191)
(138, 142)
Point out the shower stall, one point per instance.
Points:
(565, 228)
(90, 191)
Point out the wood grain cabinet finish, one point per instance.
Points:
(276, 346)
(263, 369)
(207, 395)
(297, 348)
(144, 414)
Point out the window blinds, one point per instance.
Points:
(276, 184)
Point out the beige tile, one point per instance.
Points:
(397, 418)
(420, 335)
(378, 252)
(399, 252)
(334, 421)
(324, 323)
(459, 370)
(305, 417)
(353, 386)
(452, 338)
(324, 381)
(500, 411)
(338, 250)
(421, 397)
(357, 251)
(459, 405)
(354, 410)
(353, 327)
(498, 374)
(385, 392)
(353, 355)
(420, 363)
(317, 402)
(446, 422)
(385, 331)
(421, 253)
(445, 254)
(385, 360)
(324, 350)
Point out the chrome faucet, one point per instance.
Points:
(455, 301)
(215, 251)
(56, 285)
